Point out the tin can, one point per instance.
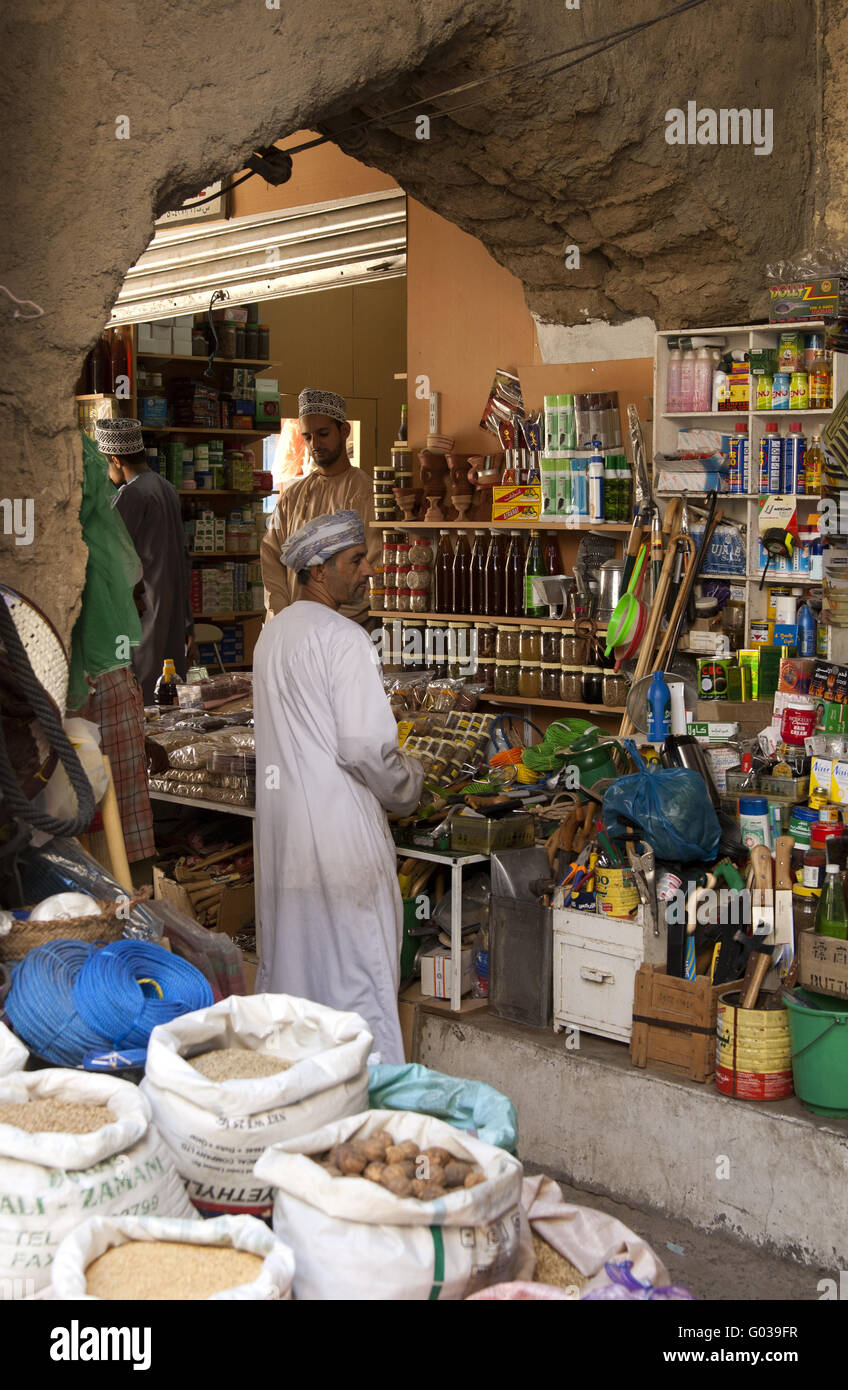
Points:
(765, 385)
(798, 391)
(616, 894)
(712, 679)
(780, 391)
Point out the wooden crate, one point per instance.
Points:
(674, 1024)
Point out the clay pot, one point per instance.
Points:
(433, 472)
(407, 499)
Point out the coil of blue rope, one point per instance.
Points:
(130, 986)
(66, 1001)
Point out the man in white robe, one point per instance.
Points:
(328, 768)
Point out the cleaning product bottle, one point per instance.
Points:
(165, 692)
(659, 709)
(832, 916)
(807, 638)
(672, 389)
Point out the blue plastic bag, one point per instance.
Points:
(469, 1105)
(671, 807)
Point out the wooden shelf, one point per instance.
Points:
(223, 554)
(222, 492)
(204, 358)
(205, 429)
(477, 618)
(544, 525)
(551, 704)
(229, 617)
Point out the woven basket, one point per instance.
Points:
(25, 936)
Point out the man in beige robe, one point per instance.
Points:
(334, 486)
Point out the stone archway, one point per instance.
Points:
(115, 113)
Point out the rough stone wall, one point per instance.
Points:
(678, 233)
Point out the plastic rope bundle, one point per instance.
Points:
(129, 987)
(72, 998)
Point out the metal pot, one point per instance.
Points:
(610, 589)
(684, 751)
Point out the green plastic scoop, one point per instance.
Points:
(625, 616)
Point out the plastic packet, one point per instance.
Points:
(62, 865)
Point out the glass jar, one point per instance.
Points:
(487, 636)
(507, 643)
(549, 680)
(421, 553)
(529, 679)
(530, 645)
(412, 644)
(506, 677)
(592, 685)
(251, 341)
(390, 556)
(419, 600)
(551, 646)
(264, 342)
(573, 650)
(402, 601)
(459, 650)
(240, 343)
(805, 904)
(614, 689)
(391, 600)
(378, 598)
(419, 579)
(571, 684)
(486, 674)
(226, 339)
(403, 548)
(390, 576)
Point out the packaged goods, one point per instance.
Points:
(13, 1053)
(216, 1129)
(151, 1258)
(51, 1178)
(406, 1248)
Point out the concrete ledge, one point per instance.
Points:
(770, 1173)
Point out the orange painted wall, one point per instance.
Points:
(319, 176)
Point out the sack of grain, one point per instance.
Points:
(13, 1054)
(73, 1145)
(217, 1124)
(353, 1239)
(149, 1257)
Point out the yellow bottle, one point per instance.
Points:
(166, 686)
(813, 465)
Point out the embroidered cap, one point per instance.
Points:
(322, 403)
(118, 436)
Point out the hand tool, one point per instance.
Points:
(783, 930)
(644, 872)
(762, 899)
(758, 967)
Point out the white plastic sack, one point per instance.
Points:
(587, 1238)
(96, 1236)
(13, 1054)
(353, 1239)
(59, 798)
(216, 1130)
(49, 1183)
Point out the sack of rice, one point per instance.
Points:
(73, 1145)
(455, 1229)
(159, 1258)
(13, 1054)
(228, 1081)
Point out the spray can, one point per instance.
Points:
(771, 459)
(794, 449)
(739, 459)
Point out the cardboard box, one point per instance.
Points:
(796, 673)
(798, 301)
(839, 784)
(154, 337)
(436, 972)
(823, 964)
(249, 965)
(831, 718)
(237, 903)
(829, 682)
(821, 773)
(516, 503)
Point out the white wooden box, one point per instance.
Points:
(595, 963)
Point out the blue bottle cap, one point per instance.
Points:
(753, 806)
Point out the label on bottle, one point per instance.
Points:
(811, 876)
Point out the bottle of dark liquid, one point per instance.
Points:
(100, 368)
(514, 578)
(553, 563)
(443, 575)
(165, 692)
(461, 573)
(493, 605)
(402, 427)
(534, 567)
(477, 585)
(119, 364)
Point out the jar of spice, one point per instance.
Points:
(506, 677)
(419, 579)
(403, 597)
(419, 600)
(549, 680)
(486, 674)
(571, 684)
(805, 904)
(551, 645)
(530, 645)
(421, 553)
(529, 679)
(460, 653)
(614, 689)
(251, 341)
(506, 647)
(226, 339)
(240, 343)
(592, 685)
(412, 640)
(487, 636)
(815, 858)
(264, 342)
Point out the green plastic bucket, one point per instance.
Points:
(818, 1037)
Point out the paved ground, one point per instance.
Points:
(710, 1266)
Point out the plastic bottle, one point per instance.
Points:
(119, 364)
(754, 821)
(813, 466)
(495, 581)
(100, 368)
(596, 487)
(720, 389)
(580, 485)
(819, 386)
(513, 585)
(553, 561)
(687, 381)
(672, 380)
(794, 450)
(807, 636)
(165, 692)
(461, 573)
(477, 575)
(443, 575)
(702, 391)
(659, 709)
(832, 915)
(534, 567)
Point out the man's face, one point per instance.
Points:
(347, 574)
(115, 471)
(325, 439)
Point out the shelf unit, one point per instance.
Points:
(742, 507)
(550, 704)
(481, 619)
(561, 528)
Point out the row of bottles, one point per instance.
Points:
(108, 366)
(492, 577)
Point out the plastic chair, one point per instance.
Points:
(208, 632)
